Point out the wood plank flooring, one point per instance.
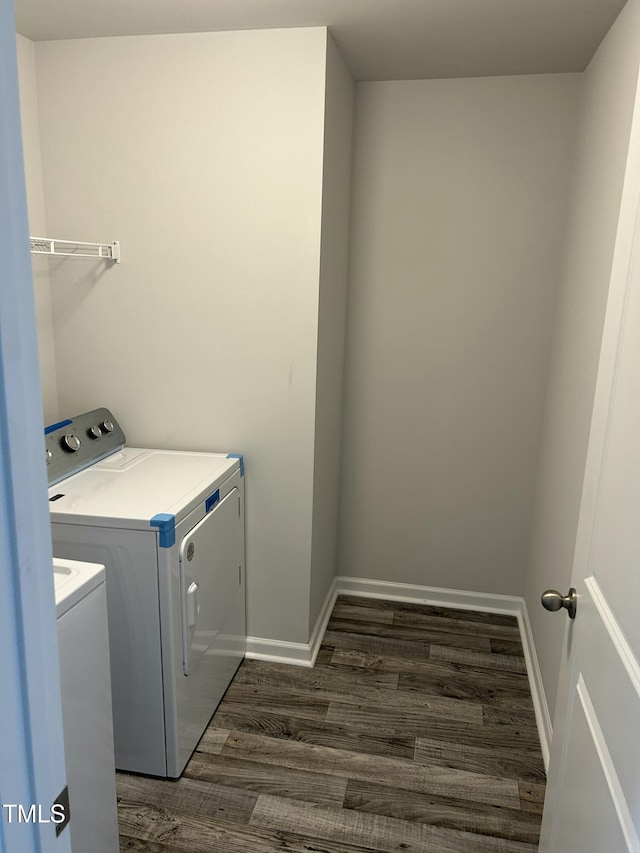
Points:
(414, 731)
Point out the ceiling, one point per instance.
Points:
(380, 39)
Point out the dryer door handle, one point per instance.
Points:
(192, 604)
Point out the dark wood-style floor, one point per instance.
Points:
(414, 731)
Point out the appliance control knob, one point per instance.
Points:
(71, 443)
(108, 426)
(94, 431)
(49, 455)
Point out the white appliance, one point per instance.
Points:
(83, 648)
(169, 528)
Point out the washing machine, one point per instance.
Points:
(169, 528)
(85, 686)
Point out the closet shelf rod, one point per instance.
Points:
(76, 249)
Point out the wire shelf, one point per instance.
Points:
(75, 249)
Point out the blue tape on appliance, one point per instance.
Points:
(241, 458)
(212, 500)
(166, 524)
(54, 427)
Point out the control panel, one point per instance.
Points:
(76, 443)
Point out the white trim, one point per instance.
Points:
(616, 634)
(538, 695)
(298, 654)
(616, 789)
(434, 595)
(323, 619)
(278, 651)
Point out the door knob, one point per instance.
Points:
(554, 600)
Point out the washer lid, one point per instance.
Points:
(132, 486)
(73, 580)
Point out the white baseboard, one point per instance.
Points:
(304, 654)
(300, 654)
(321, 622)
(434, 595)
(278, 651)
(543, 718)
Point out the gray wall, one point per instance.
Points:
(334, 258)
(609, 91)
(38, 224)
(460, 191)
(203, 154)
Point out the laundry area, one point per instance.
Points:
(343, 332)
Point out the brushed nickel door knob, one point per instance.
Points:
(554, 600)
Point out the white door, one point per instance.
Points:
(593, 793)
(32, 771)
(211, 589)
